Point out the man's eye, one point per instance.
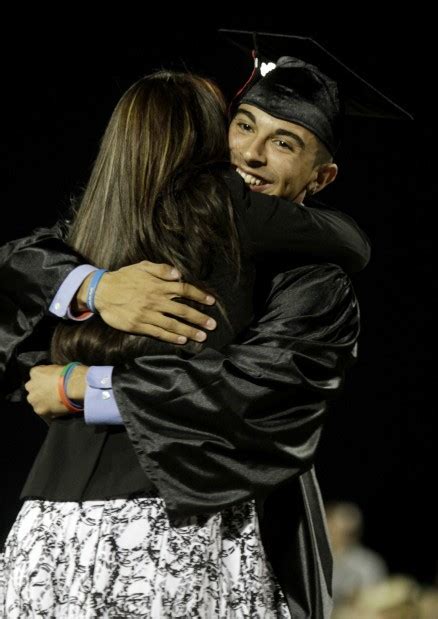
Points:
(244, 126)
(284, 145)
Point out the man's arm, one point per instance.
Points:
(225, 426)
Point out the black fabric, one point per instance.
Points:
(80, 462)
(38, 264)
(358, 97)
(227, 425)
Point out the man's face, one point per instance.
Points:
(273, 156)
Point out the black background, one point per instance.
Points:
(60, 86)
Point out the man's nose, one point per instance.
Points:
(254, 154)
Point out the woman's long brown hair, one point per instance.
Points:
(156, 192)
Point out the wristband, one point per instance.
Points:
(92, 288)
(71, 405)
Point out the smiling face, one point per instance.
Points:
(273, 156)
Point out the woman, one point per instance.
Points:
(160, 190)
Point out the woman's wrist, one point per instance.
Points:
(77, 383)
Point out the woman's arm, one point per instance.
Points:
(278, 228)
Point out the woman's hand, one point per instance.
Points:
(140, 299)
(43, 389)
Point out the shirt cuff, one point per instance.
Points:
(60, 305)
(100, 406)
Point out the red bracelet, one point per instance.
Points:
(82, 315)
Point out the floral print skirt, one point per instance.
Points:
(124, 558)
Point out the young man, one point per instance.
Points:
(258, 404)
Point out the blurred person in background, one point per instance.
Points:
(428, 603)
(354, 566)
(395, 598)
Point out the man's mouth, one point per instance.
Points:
(255, 181)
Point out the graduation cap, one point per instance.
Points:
(296, 79)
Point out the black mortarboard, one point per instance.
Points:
(308, 86)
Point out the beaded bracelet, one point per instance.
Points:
(71, 405)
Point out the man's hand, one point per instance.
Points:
(135, 298)
(43, 389)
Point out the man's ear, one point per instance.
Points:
(326, 174)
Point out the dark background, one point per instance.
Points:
(378, 446)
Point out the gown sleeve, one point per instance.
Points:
(31, 271)
(225, 426)
(275, 227)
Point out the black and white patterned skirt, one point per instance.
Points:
(123, 558)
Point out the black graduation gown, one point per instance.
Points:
(268, 394)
